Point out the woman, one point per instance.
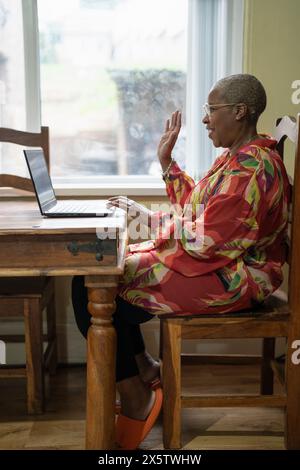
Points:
(234, 262)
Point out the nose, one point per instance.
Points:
(205, 120)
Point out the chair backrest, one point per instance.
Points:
(288, 127)
(26, 139)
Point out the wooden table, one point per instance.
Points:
(31, 245)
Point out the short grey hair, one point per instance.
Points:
(244, 88)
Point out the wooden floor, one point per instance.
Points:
(62, 426)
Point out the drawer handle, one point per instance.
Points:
(93, 247)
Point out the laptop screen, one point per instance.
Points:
(40, 177)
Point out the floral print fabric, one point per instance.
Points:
(238, 261)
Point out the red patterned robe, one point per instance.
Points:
(238, 261)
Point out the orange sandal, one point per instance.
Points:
(131, 432)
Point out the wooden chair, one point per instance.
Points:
(28, 296)
(279, 317)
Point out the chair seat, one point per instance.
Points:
(269, 320)
(276, 304)
(20, 287)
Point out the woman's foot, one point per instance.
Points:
(140, 409)
(137, 399)
(149, 369)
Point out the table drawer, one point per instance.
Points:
(65, 250)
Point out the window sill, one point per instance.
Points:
(97, 190)
(103, 190)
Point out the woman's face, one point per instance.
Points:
(221, 124)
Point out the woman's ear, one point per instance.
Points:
(241, 111)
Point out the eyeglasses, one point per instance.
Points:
(209, 108)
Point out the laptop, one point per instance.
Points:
(48, 204)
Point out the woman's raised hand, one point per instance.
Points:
(168, 139)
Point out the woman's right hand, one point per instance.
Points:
(132, 208)
(168, 139)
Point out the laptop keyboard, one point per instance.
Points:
(71, 207)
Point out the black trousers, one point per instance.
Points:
(126, 320)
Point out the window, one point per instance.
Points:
(105, 74)
(111, 73)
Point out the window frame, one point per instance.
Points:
(205, 17)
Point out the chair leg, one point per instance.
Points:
(171, 385)
(34, 356)
(267, 375)
(292, 424)
(51, 334)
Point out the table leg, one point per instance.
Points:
(101, 354)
